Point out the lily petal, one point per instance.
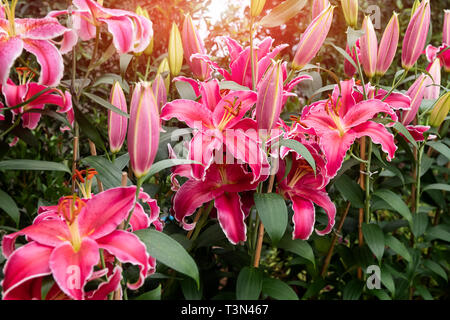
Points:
(231, 216)
(379, 135)
(10, 50)
(188, 111)
(303, 218)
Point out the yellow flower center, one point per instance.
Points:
(70, 207)
(231, 112)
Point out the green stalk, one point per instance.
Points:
(138, 190)
(15, 124)
(367, 181)
(418, 168)
(252, 57)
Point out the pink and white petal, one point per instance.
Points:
(396, 100)
(71, 269)
(105, 288)
(212, 64)
(85, 30)
(210, 92)
(152, 203)
(139, 219)
(367, 110)
(47, 232)
(121, 29)
(335, 147)
(194, 114)
(191, 195)
(322, 199)
(303, 218)
(291, 85)
(241, 101)
(105, 211)
(202, 149)
(70, 39)
(231, 216)
(28, 290)
(379, 135)
(30, 119)
(192, 82)
(10, 50)
(234, 48)
(39, 29)
(49, 58)
(14, 94)
(317, 118)
(30, 261)
(346, 98)
(127, 248)
(417, 131)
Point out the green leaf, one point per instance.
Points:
(301, 150)
(438, 232)
(249, 284)
(401, 128)
(346, 55)
(350, 191)
(107, 54)
(436, 268)
(282, 13)
(387, 280)
(89, 129)
(185, 90)
(299, 247)
(122, 161)
(105, 104)
(231, 85)
(273, 213)
(125, 60)
(190, 290)
(9, 205)
(419, 224)
(278, 290)
(110, 78)
(394, 201)
(426, 295)
(165, 164)
(353, 290)
(154, 294)
(25, 164)
(380, 294)
(108, 173)
(374, 238)
(441, 148)
(169, 252)
(437, 186)
(398, 247)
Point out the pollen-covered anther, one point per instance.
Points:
(70, 207)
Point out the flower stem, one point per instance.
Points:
(418, 169)
(367, 181)
(138, 190)
(15, 124)
(252, 56)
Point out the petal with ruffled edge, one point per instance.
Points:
(121, 29)
(366, 110)
(335, 147)
(70, 39)
(153, 204)
(30, 118)
(105, 288)
(239, 101)
(210, 92)
(201, 149)
(49, 58)
(191, 195)
(10, 50)
(417, 131)
(395, 100)
(71, 269)
(322, 199)
(379, 135)
(231, 216)
(30, 261)
(39, 29)
(47, 232)
(105, 211)
(303, 218)
(127, 248)
(190, 112)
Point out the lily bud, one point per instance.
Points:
(313, 38)
(369, 48)
(415, 92)
(143, 132)
(318, 6)
(446, 28)
(149, 50)
(388, 45)
(175, 51)
(164, 67)
(415, 5)
(256, 6)
(159, 90)
(350, 9)
(349, 69)
(432, 91)
(416, 35)
(192, 43)
(270, 100)
(440, 110)
(117, 124)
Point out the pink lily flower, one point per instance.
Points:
(432, 52)
(32, 289)
(340, 120)
(222, 184)
(304, 188)
(117, 124)
(17, 94)
(416, 35)
(66, 243)
(312, 39)
(131, 32)
(144, 128)
(240, 68)
(219, 122)
(35, 36)
(192, 44)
